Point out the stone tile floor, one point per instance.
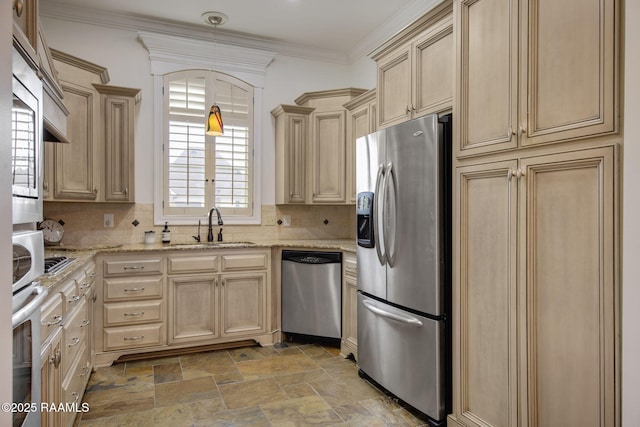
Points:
(291, 384)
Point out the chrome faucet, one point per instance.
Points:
(210, 234)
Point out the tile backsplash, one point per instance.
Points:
(84, 224)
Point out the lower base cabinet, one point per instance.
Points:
(51, 378)
(177, 299)
(349, 341)
(67, 346)
(535, 295)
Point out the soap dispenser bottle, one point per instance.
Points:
(166, 234)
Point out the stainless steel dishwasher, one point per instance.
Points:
(311, 293)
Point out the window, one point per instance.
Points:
(202, 171)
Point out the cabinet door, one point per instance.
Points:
(244, 303)
(328, 157)
(359, 125)
(75, 163)
(118, 119)
(193, 308)
(51, 379)
(433, 70)
(568, 58)
(394, 88)
(568, 289)
(350, 313)
(296, 152)
(486, 75)
(484, 296)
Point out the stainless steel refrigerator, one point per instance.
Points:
(403, 215)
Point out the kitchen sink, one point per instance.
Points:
(199, 245)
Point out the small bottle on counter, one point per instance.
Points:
(166, 233)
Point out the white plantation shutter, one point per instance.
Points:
(202, 171)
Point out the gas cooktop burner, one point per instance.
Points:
(53, 265)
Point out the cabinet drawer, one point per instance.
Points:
(124, 337)
(132, 267)
(74, 335)
(350, 266)
(51, 316)
(193, 264)
(127, 313)
(133, 289)
(240, 262)
(71, 295)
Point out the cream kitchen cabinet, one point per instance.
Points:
(327, 143)
(218, 294)
(25, 29)
(66, 341)
(51, 378)
(415, 69)
(535, 294)
(180, 299)
(193, 297)
(130, 305)
(97, 165)
(311, 148)
(361, 120)
(349, 341)
(534, 72)
(292, 144)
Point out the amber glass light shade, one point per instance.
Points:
(215, 126)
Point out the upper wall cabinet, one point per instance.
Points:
(292, 136)
(361, 120)
(415, 69)
(25, 29)
(311, 148)
(533, 72)
(97, 164)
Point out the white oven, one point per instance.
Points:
(26, 143)
(28, 297)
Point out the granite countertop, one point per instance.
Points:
(84, 255)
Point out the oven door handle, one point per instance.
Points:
(24, 313)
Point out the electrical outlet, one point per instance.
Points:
(286, 220)
(108, 220)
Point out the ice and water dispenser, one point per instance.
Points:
(364, 218)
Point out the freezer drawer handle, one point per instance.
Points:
(404, 319)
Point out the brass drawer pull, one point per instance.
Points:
(74, 298)
(133, 289)
(85, 323)
(75, 341)
(134, 338)
(140, 267)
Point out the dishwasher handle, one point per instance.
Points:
(312, 257)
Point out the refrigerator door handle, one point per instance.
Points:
(389, 177)
(393, 316)
(377, 224)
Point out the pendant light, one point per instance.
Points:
(214, 126)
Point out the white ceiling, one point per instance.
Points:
(339, 30)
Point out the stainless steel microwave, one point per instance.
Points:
(27, 152)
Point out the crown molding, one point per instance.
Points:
(394, 24)
(62, 11)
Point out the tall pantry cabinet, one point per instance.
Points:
(536, 233)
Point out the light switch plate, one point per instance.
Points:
(286, 220)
